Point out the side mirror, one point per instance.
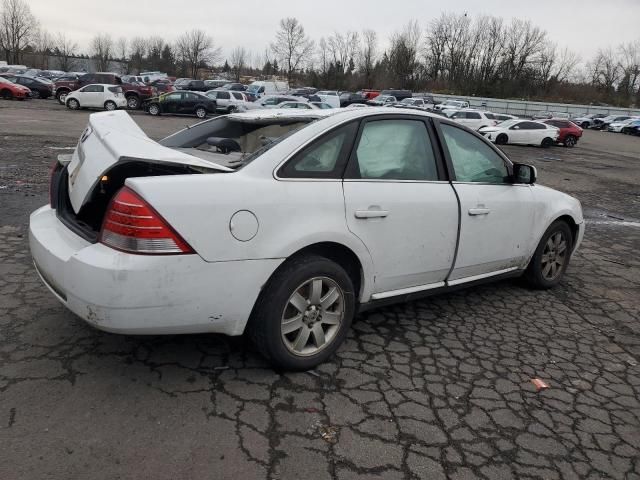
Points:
(523, 173)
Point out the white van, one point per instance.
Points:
(261, 88)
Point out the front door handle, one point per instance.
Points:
(371, 213)
(479, 211)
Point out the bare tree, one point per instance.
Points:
(605, 70)
(292, 46)
(196, 49)
(42, 46)
(18, 27)
(137, 52)
(66, 49)
(368, 55)
(238, 61)
(629, 61)
(122, 52)
(343, 48)
(102, 51)
(403, 55)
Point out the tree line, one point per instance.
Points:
(453, 53)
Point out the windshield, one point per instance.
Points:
(409, 101)
(253, 88)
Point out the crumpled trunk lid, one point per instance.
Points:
(113, 138)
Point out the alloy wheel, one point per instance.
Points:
(312, 316)
(554, 256)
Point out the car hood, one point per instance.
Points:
(112, 138)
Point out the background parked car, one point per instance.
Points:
(190, 84)
(329, 96)
(9, 90)
(522, 132)
(185, 103)
(62, 86)
(40, 88)
(474, 119)
(101, 96)
(570, 133)
(260, 88)
(298, 105)
(603, 123)
(450, 105)
(216, 83)
(618, 126)
(272, 101)
(228, 101)
(322, 105)
(632, 128)
(163, 85)
(368, 93)
(236, 87)
(348, 98)
(399, 94)
(415, 103)
(382, 100)
(586, 121)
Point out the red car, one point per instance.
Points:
(136, 93)
(369, 94)
(9, 90)
(569, 131)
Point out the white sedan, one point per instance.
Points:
(522, 132)
(285, 223)
(96, 95)
(474, 119)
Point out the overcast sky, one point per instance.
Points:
(583, 26)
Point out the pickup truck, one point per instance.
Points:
(135, 93)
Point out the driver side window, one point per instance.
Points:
(473, 160)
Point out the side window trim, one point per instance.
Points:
(447, 157)
(343, 157)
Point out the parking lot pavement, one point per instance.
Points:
(427, 390)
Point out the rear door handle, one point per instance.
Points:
(371, 213)
(479, 211)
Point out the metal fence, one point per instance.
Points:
(523, 108)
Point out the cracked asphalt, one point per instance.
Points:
(440, 388)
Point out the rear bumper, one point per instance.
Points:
(144, 294)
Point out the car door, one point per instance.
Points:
(188, 104)
(169, 103)
(223, 99)
(399, 204)
(88, 96)
(519, 133)
(496, 215)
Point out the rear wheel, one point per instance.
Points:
(551, 258)
(73, 104)
(570, 141)
(546, 142)
(201, 112)
(502, 139)
(585, 125)
(304, 313)
(109, 105)
(133, 102)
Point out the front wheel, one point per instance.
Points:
(154, 109)
(35, 94)
(547, 142)
(201, 112)
(304, 313)
(570, 141)
(585, 125)
(73, 104)
(109, 105)
(6, 94)
(62, 97)
(551, 258)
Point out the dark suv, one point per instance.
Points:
(399, 94)
(189, 84)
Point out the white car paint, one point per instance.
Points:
(229, 100)
(273, 101)
(298, 105)
(618, 126)
(402, 242)
(473, 119)
(521, 132)
(329, 96)
(262, 88)
(450, 106)
(96, 95)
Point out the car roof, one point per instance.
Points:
(340, 114)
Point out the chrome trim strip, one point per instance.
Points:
(480, 277)
(406, 291)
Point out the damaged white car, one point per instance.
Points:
(285, 223)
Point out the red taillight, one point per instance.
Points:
(132, 225)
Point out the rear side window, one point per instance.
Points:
(324, 158)
(115, 89)
(473, 160)
(223, 95)
(237, 96)
(474, 115)
(394, 150)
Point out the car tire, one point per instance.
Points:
(62, 97)
(35, 94)
(154, 109)
(73, 104)
(231, 109)
(585, 125)
(110, 106)
(133, 102)
(570, 141)
(502, 139)
(286, 334)
(6, 94)
(201, 112)
(551, 258)
(547, 142)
